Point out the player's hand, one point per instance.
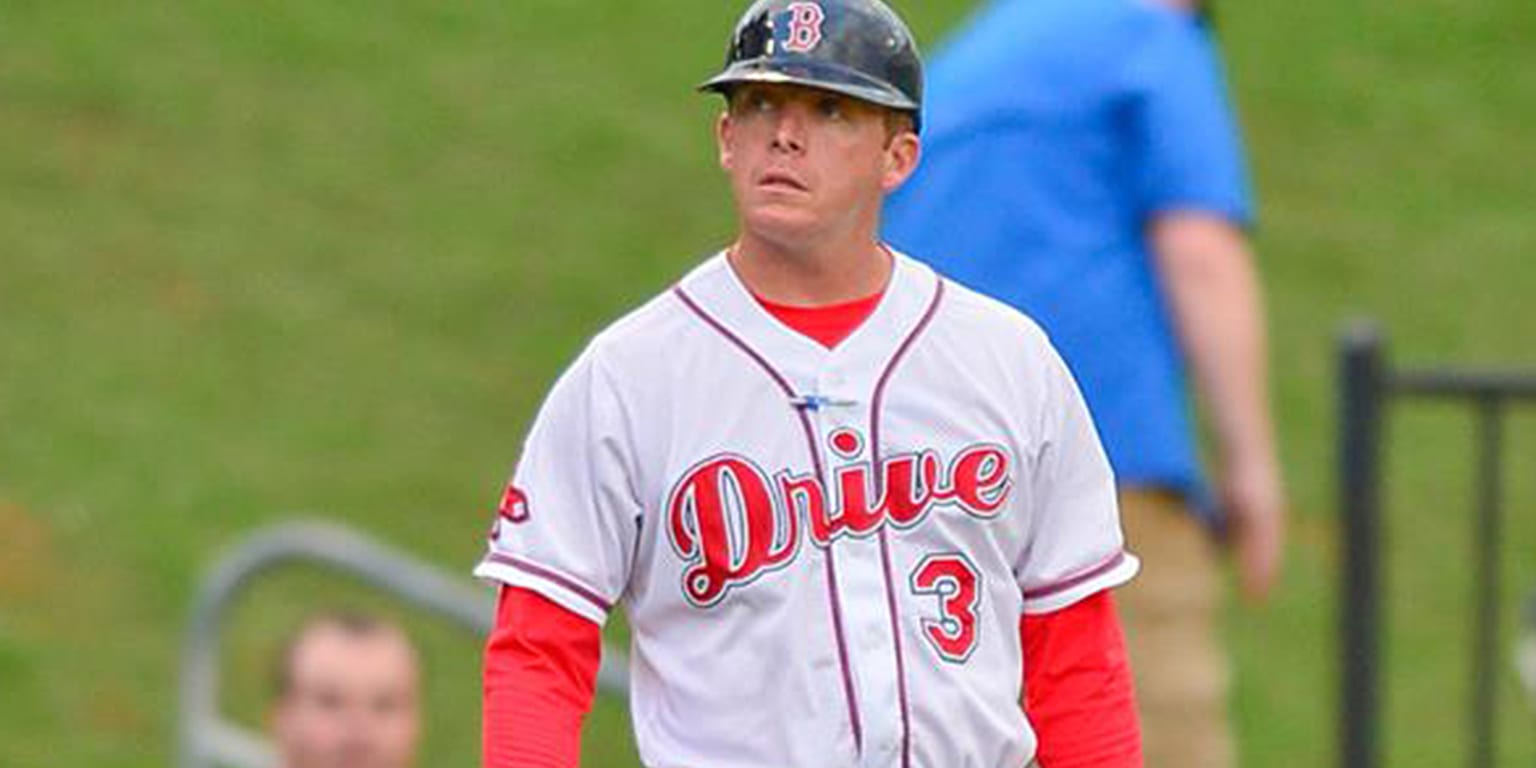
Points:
(1255, 504)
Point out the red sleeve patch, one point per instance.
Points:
(514, 505)
(513, 509)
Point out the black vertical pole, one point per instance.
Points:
(1361, 391)
(1485, 649)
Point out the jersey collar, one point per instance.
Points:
(717, 290)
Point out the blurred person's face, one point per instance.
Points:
(351, 701)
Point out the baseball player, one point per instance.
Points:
(856, 515)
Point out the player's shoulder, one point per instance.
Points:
(640, 338)
(638, 333)
(999, 346)
(986, 320)
(639, 326)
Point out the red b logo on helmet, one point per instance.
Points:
(804, 27)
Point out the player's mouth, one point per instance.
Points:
(782, 180)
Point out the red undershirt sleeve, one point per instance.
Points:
(1078, 690)
(540, 676)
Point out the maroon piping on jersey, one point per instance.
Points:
(569, 584)
(885, 549)
(1065, 584)
(810, 441)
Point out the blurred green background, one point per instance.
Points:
(280, 257)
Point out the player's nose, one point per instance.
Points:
(789, 129)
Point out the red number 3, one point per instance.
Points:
(952, 579)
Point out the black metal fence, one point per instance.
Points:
(1368, 386)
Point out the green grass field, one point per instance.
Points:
(280, 258)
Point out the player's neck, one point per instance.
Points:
(828, 273)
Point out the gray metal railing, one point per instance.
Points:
(1368, 385)
(205, 737)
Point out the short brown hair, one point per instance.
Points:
(898, 122)
(354, 624)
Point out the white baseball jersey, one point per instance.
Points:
(824, 554)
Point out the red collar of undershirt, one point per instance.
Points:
(828, 324)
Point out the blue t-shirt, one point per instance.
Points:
(1054, 130)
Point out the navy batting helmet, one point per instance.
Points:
(858, 48)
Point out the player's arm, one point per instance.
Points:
(1078, 693)
(540, 677)
(561, 552)
(1213, 292)
(1078, 687)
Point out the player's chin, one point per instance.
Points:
(785, 217)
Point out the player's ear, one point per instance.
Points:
(723, 139)
(901, 155)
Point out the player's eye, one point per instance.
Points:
(756, 102)
(831, 108)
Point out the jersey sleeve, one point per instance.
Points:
(1188, 145)
(567, 523)
(1074, 546)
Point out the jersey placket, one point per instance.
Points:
(861, 588)
(828, 392)
(851, 384)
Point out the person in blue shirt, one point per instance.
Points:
(1082, 163)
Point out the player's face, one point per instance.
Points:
(352, 702)
(807, 164)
